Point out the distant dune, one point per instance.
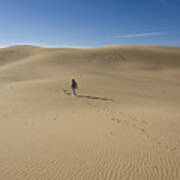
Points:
(124, 123)
(142, 57)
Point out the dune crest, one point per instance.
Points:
(155, 57)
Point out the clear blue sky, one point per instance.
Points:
(89, 23)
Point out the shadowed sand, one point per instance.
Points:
(88, 97)
(124, 123)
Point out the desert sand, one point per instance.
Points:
(123, 125)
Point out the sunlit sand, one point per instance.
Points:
(124, 123)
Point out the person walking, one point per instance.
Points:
(74, 86)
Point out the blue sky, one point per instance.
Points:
(89, 23)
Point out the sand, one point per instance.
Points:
(124, 124)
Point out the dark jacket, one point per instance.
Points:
(74, 85)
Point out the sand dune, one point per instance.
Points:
(124, 124)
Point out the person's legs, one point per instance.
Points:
(74, 91)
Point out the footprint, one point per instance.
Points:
(116, 120)
(142, 130)
(111, 133)
(173, 148)
(113, 119)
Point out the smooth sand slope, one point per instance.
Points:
(124, 125)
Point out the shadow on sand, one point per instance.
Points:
(95, 98)
(88, 97)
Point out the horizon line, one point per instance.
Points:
(85, 47)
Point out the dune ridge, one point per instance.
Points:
(149, 56)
